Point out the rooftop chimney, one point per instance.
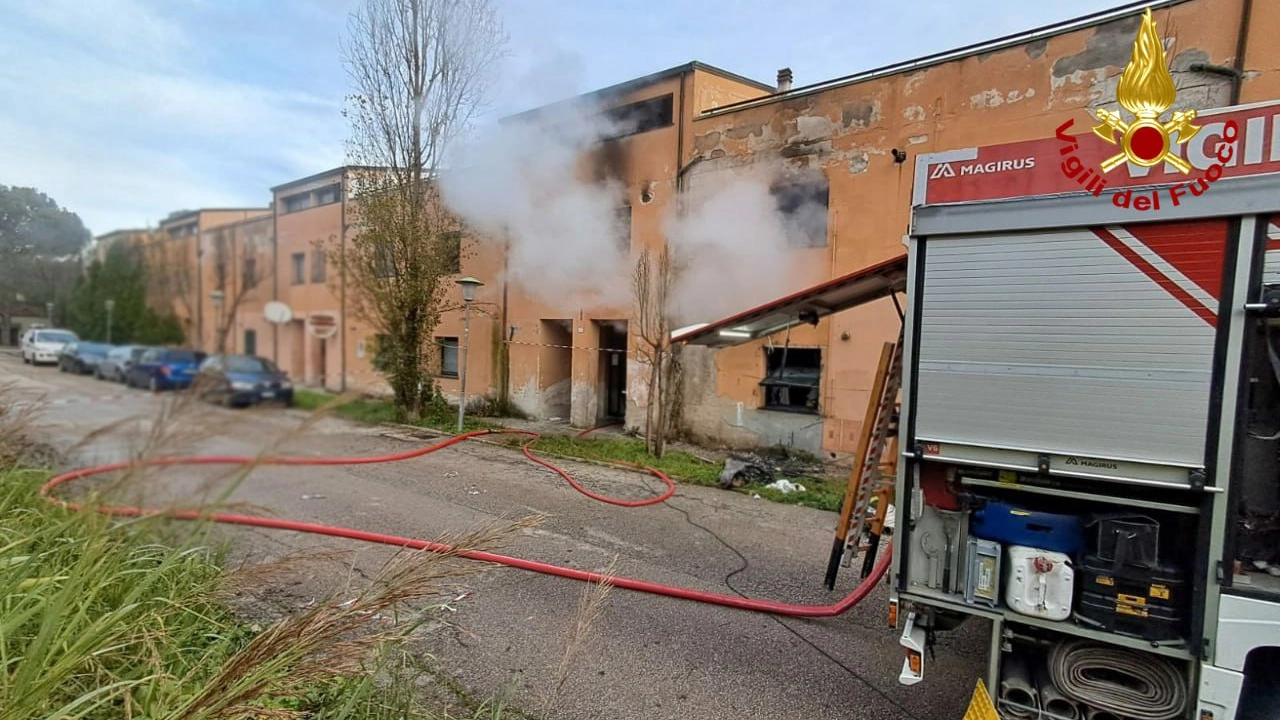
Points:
(784, 80)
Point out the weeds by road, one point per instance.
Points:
(822, 493)
(108, 617)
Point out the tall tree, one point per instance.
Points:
(420, 70)
(122, 278)
(39, 246)
(651, 287)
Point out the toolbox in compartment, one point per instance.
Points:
(1149, 603)
(1013, 525)
(1117, 615)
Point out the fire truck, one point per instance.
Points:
(1089, 432)
(1075, 441)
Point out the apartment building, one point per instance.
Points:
(235, 271)
(845, 146)
(174, 254)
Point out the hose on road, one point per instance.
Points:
(731, 601)
(1126, 682)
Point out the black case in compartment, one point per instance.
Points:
(1148, 603)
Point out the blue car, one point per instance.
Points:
(243, 380)
(164, 369)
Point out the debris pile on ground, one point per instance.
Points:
(776, 467)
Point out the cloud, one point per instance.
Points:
(125, 132)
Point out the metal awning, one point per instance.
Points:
(806, 306)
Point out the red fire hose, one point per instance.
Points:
(764, 606)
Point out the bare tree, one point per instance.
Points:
(419, 70)
(172, 264)
(240, 266)
(651, 286)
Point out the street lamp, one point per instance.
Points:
(217, 296)
(48, 311)
(111, 305)
(469, 285)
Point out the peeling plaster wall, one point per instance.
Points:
(1018, 93)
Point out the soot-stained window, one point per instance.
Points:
(793, 378)
(803, 205)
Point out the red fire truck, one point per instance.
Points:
(1090, 422)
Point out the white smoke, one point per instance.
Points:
(523, 181)
(736, 247)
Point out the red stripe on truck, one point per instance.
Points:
(1158, 277)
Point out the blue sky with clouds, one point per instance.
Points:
(124, 110)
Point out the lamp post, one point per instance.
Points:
(111, 305)
(48, 311)
(469, 285)
(217, 296)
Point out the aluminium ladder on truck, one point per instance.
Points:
(1098, 378)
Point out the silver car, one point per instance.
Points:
(45, 344)
(116, 364)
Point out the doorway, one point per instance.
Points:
(613, 369)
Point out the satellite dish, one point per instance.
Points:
(277, 312)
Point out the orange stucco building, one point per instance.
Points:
(847, 146)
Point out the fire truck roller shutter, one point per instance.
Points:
(1094, 342)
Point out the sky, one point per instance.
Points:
(126, 110)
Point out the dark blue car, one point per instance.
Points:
(164, 369)
(242, 380)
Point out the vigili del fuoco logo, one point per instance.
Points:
(1147, 91)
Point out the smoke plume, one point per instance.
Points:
(524, 181)
(736, 242)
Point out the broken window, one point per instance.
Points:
(448, 356)
(803, 207)
(623, 232)
(792, 379)
(639, 117)
(452, 249)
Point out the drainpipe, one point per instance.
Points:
(275, 276)
(504, 347)
(342, 281)
(1235, 70)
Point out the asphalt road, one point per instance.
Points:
(650, 657)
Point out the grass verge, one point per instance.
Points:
(107, 618)
(439, 416)
(822, 493)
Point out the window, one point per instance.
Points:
(803, 206)
(641, 116)
(623, 232)
(329, 195)
(452, 249)
(250, 342)
(792, 379)
(299, 268)
(448, 356)
(250, 272)
(294, 203)
(385, 262)
(317, 265)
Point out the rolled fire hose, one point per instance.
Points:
(1052, 701)
(1125, 682)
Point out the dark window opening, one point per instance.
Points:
(317, 266)
(793, 377)
(294, 203)
(329, 195)
(384, 262)
(452, 249)
(299, 268)
(639, 117)
(803, 206)
(623, 232)
(448, 356)
(250, 342)
(250, 272)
